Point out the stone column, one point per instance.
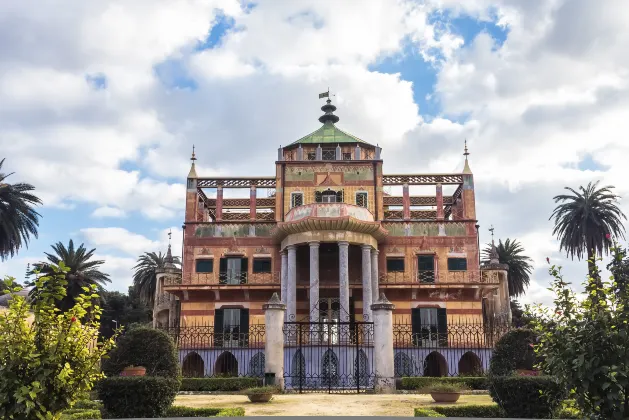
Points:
(284, 275)
(219, 203)
(383, 345)
(406, 202)
(252, 203)
(274, 339)
(439, 202)
(367, 298)
(344, 280)
(375, 276)
(291, 284)
(314, 281)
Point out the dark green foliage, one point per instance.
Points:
(514, 350)
(18, 219)
(520, 319)
(218, 384)
(145, 274)
(147, 347)
(83, 271)
(179, 411)
(75, 414)
(137, 396)
(426, 412)
(417, 383)
(520, 268)
(87, 405)
(127, 310)
(488, 411)
(536, 397)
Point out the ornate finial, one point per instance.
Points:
(465, 152)
(170, 235)
(194, 157)
(491, 229)
(193, 170)
(328, 108)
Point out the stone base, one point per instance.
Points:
(385, 386)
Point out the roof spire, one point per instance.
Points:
(466, 153)
(494, 258)
(169, 254)
(193, 171)
(329, 109)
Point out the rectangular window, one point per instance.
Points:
(329, 154)
(296, 199)
(426, 268)
(204, 266)
(312, 156)
(457, 264)
(262, 265)
(231, 327)
(429, 326)
(347, 156)
(233, 270)
(361, 199)
(395, 265)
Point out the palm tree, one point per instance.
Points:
(83, 271)
(585, 222)
(520, 268)
(18, 219)
(145, 275)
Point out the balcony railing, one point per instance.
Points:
(444, 277)
(227, 278)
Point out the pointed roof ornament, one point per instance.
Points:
(466, 168)
(494, 258)
(193, 171)
(329, 109)
(169, 255)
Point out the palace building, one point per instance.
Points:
(327, 233)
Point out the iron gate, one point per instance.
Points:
(329, 356)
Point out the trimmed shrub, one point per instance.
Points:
(180, 411)
(137, 396)
(82, 415)
(87, 405)
(147, 347)
(488, 411)
(422, 382)
(513, 351)
(218, 384)
(534, 397)
(425, 412)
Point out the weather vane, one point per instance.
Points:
(491, 229)
(325, 94)
(170, 233)
(465, 152)
(193, 158)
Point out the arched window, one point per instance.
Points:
(403, 365)
(361, 369)
(330, 369)
(193, 366)
(298, 370)
(226, 365)
(256, 365)
(470, 365)
(435, 365)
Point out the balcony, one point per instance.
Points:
(228, 278)
(328, 211)
(444, 277)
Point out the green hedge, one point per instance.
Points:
(137, 396)
(489, 411)
(180, 411)
(147, 347)
(87, 405)
(426, 412)
(218, 384)
(513, 351)
(415, 383)
(535, 397)
(78, 414)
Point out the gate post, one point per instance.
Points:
(274, 311)
(382, 311)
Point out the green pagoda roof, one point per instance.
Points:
(329, 134)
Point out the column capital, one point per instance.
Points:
(314, 244)
(291, 247)
(382, 303)
(343, 244)
(274, 303)
(375, 251)
(365, 246)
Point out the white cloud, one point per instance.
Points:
(107, 211)
(130, 243)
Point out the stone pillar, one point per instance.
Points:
(274, 339)
(280, 154)
(314, 281)
(344, 280)
(383, 345)
(300, 153)
(374, 275)
(406, 202)
(319, 153)
(339, 155)
(367, 298)
(219, 203)
(291, 284)
(284, 276)
(252, 203)
(439, 201)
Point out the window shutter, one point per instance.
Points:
(218, 327)
(222, 268)
(244, 268)
(442, 326)
(416, 325)
(243, 339)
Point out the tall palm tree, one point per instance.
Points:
(145, 275)
(520, 268)
(18, 219)
(585, 222)
(84, 271)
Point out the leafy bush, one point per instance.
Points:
(261, 390)
(80, 415)
(180, 411)
(527, 396)
(417, 383)
(50, 362)
(137, 396)
(585, 343)
(489, 411)
(88, 405)
(426, 412)
(513, 351)
(147, 347)
(218, 384)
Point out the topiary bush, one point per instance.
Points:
(421, 382)
(487, 411)
(180, 411)
(515, 350)
(536, 397)
(426, 412)
(219, 384)
(147, 347)
(137, 396)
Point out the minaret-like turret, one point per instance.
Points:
(469, 200)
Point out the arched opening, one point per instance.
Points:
(161, 319)
(298, 370)
(256, 365)
(470, 365)
(403, 365)
(226, 365)
(330, 369)
(435, 365)
(193, 366)
(361, 370)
